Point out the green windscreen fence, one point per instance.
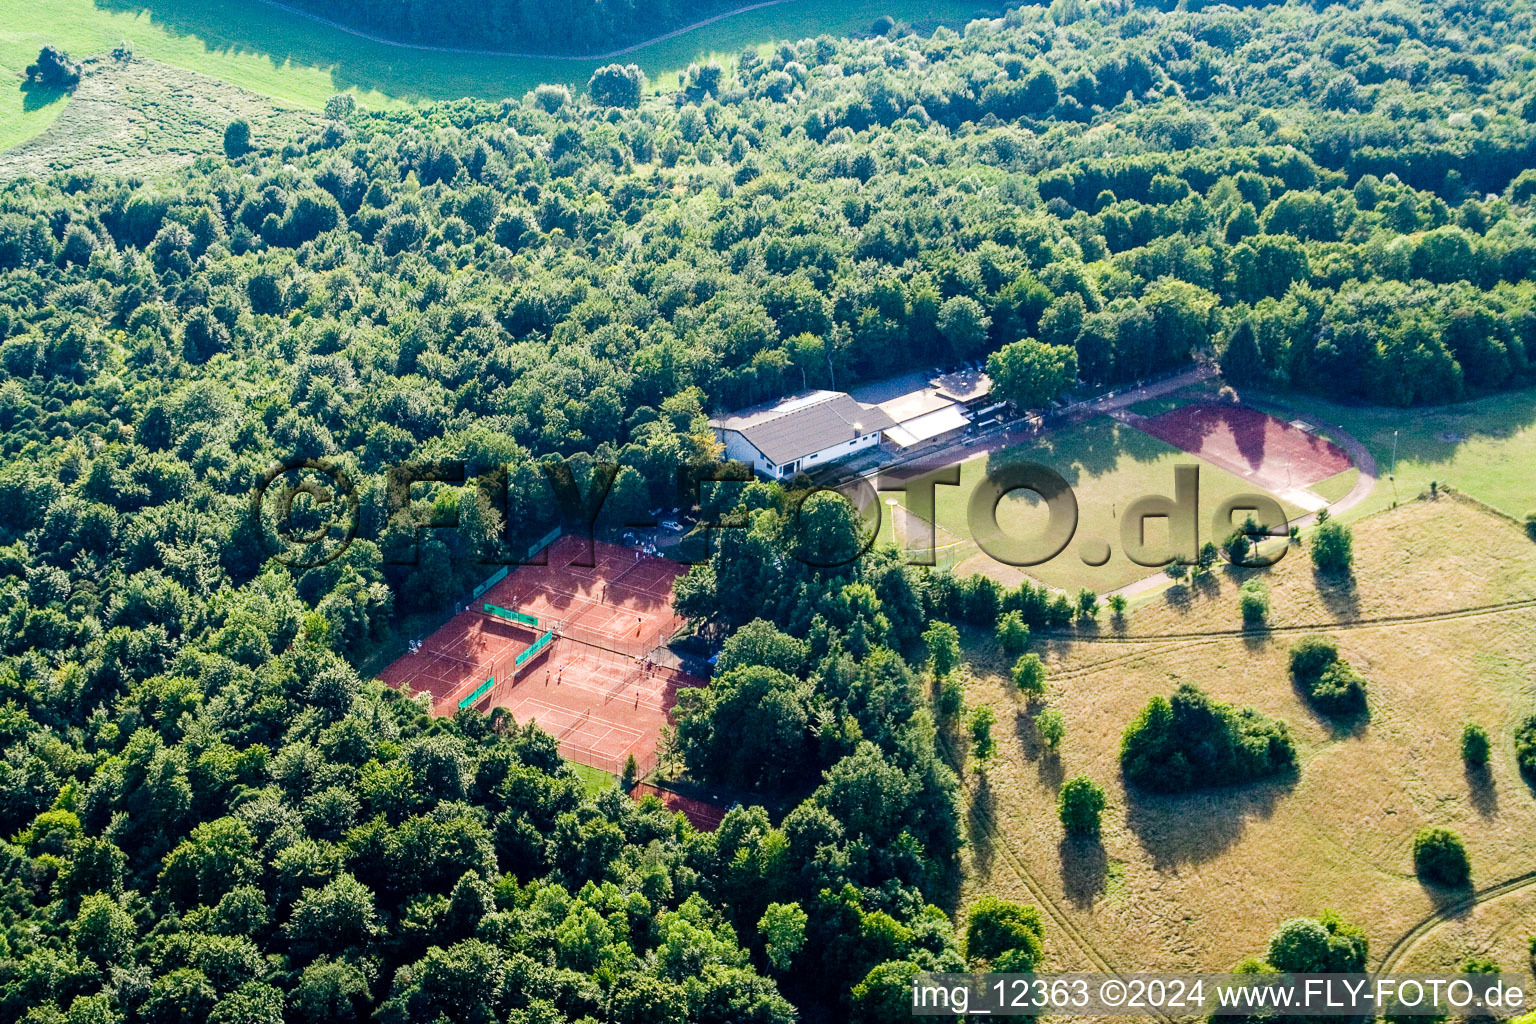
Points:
(538, 645)
(496, 577)
(507, 613)
(479, 692)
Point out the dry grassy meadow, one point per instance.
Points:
(1197, 882)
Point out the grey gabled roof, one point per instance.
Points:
(804, 424)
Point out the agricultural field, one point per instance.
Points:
(1108, 464)
(299, 62)
(1199, 881)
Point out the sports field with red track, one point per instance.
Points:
(1272, 453)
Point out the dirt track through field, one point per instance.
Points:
(1146, 647)
(1364, 623)
(1063, 921)
(1405, 943)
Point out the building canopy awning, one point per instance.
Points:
(927, 427)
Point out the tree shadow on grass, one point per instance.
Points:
(1029, 737)
(1084, 869)
(1047, 759)
(1049, 647)
(1181, 597)
(1339, 595)
(1481, 789)
(1206, 584)
(979, 821)
(1256, 636)
(1189, 829)
(1454, 901)
(1052, 773)
(1356, 726)
(1080, 450)
(1353, 723)
(36, 97)
(946, 887)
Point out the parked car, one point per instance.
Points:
(672, 524)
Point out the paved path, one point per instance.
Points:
(631, 48)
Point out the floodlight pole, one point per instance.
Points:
(1392, 474)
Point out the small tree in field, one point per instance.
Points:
(1029, 675)
(1117, 603)
(237, 138)
(1474, 745)
(1328, 680)
(1440, 857)
(631, 774)
(53, 70)
(998, 929)
(617, 85)
(1525, 749)
(1253, 600)
(1237, 547)
(1530, 525)
(1333, 549)
(1080, 806)
(1206, 559)
(340, 107)
(550, 98)
(943, 642)
(983, 745)
(1087, 604)
(1052, 728)
(1012, 633)
(1176, 571)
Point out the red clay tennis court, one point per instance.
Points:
(1271, 452)
(459, 657)
(565, 644)
(705, 817)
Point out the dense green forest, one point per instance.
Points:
(212, 815)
